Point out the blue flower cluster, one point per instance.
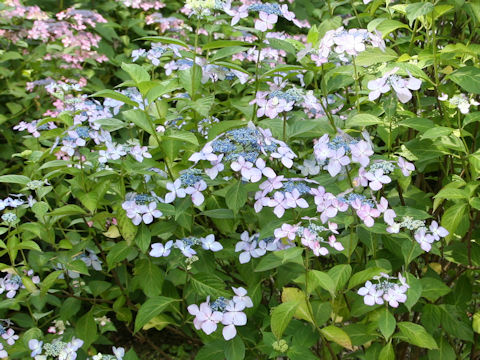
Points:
(219, 304)
(245, 142)
(190, 177)
(190, 241)
(143, 199)
(301, 187)
(266, 8)
(339, 142)
(289, 95)
(350, 198)
(387, 166)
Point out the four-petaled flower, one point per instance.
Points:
(158, 249)
(205, 318)
(209, 243)
(196, 192)
(266, 21)
(377, 179)
(176, 190)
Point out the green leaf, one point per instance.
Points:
(125, 226)
(117, 254)
(417, 335)
(227, 51)
(362, 120)
(106, 93)
(163, 88)
(212, 350)
(454, 217)
(373, 56)
(281, 316)
(418, 9)
(97, 287)
(476, 322)
(386, 323)
(414, 292)
(48, 281)
(218, 213)
(33, 333)
(181, 135)
(282, 45)
(136, 72)
(323, 280)
(149, 276)
(235, 349)
(436, 132)
(131, 355)
(387, 26)
(444, 351)
(143, 238)
(185, 78)
(277, 258)
(217, 44)
(337, 335)
(468, 78)
(387, 352)
(165, 40)
(139, 118)
(340, 274)
(410, 250)
(86, 329)
(362, 276)
(451, 193)
(282, 68)
(433, 289)
(203, 105)
(236, 196)
(67, 210)
(78, 266)
(15, 179)
(221, 127)
(208, 285)
(151, 308)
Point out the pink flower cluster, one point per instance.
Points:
(70, 27)
(145, 5)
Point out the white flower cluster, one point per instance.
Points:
(386, 289)
(460, 101)
(389, 81)
(185, 246)
(342, 44)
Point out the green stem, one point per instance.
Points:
(309, 306)
(324, 92)
(257, 84)
(357, 89)
(194, 66)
